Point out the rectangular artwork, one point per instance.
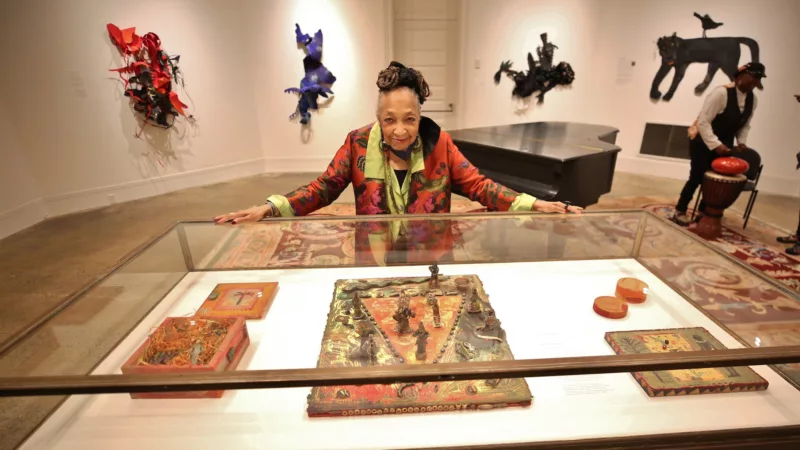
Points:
(189, 345)
(246, 300)
(424, 320)
(666, 383)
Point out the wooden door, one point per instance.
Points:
(426, 36)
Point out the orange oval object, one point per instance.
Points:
(610, 307)
(632, 290)
(730, 165)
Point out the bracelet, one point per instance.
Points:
(273, 211)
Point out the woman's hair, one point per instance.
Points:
(397, 76)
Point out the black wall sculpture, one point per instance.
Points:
(541, 75)
(720, 53)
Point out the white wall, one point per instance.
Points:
(20, 202)
(355, 50)
(594, 35)
(630, 29)
(508, 30)
(77, 130)
(68, 132)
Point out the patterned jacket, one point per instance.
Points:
(436, 169)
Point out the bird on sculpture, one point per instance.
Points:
(708, 23)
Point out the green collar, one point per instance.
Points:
(377, 168)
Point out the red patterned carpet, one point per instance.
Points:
(766, 258)
(756, 311)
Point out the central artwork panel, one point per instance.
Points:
(422, 320)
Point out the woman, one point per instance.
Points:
(402, 164)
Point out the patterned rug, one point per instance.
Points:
(751, 308)
(768, 259)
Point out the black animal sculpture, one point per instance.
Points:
(541, 76)
(708, 23)
(720, 53)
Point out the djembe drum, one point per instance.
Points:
(721, 187)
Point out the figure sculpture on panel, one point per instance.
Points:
(434, 281)
(430, 298)
(474, 305)
(541, 76)
(490, 323)
(437, 318)
(403, 314)
(367, 347)
(358, 307)
(317, 80)
(422, 341)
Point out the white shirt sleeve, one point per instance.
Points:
(741, 136)
(714, 104)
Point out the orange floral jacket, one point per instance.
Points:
(436, 169)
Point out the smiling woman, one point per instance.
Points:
(403, 163)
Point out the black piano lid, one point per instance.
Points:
(559, 141)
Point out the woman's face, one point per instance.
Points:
(399, 115)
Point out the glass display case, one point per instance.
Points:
(608, 329)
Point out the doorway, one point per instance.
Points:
(426, 35)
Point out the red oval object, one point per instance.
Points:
(730, 165)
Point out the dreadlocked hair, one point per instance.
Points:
(397, 75)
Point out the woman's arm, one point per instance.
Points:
(322, 191)
(469, 182)
(494, 196)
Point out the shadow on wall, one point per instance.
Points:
(151, 148)
(523, 106)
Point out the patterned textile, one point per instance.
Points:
(771, 262)
(437, 170)
(753, 309)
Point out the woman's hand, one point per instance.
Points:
(555, 207)
(253, 214)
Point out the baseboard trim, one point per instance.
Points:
(679, 170)
(297, 165)
(98, 197)
(23, 216)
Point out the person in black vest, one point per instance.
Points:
(725, 116)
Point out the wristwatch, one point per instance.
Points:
(273, 211)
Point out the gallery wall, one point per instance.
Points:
(508, 30)
(355, 50)
(68, 133)
(629, 31)
(76, 128)
(20, 203)
(77, 132)
(602, 39)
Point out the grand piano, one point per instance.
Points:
(556, 161)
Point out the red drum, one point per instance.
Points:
(719, 193)
(730, 165)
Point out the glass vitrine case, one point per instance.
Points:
(608, 329)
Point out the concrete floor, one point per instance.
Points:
(43, 265)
